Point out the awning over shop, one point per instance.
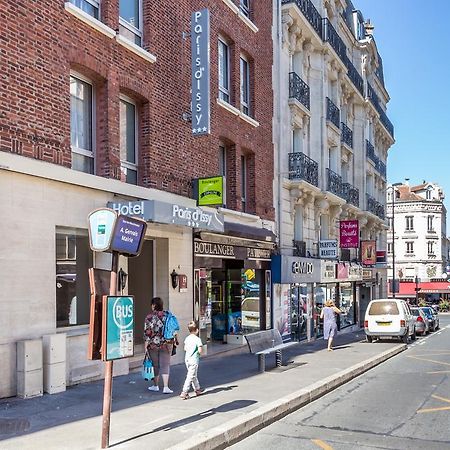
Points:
(408, 289)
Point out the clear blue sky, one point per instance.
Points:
(413, 39)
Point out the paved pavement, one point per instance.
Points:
(401, 404)
(238, 400)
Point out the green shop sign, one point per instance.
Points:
(210, 191)
(119, 327)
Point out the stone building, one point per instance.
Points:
(331, 136)
(417, 238)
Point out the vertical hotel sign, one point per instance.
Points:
(200, 72)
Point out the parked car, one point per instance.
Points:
(422, 323)
(432, 317)
(389, 318)
(250, 312)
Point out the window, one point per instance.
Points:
(389, 220)
(384, 308)
(130, 20)
(222, 161)
(389, 247)
(430, 223)
(410, 248)
(128, 141)
(245, 7)
(409, 223)
(245, 86)
(429, 193)
(224, 71)
(244, 182)
(90, 7)
(81, 129)
(431, 248)
(73, 259)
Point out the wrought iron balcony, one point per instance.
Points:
(299, 248)
(374, 207)
(351, 194)
(381, 167)
(333, 113)
(370, 152)
(334, 183)
(330, 35)
(373, 97)
(346, 135)
(386, 123)
(354, 75)
(302, 167)
(298, 89)
(310, 12)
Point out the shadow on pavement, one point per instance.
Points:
(231, 406)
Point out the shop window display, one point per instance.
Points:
(347, 305)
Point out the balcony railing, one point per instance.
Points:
(333, 113)
(330, 35)
(302, 167)
(381, 167)
(351, 194)
(334, 183)
(374, 207)
(370, 152)
(298, 89)
(299, 248)
(310, 12)
(354, 75)
(346, 135)
(373, 97)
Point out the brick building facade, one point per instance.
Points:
(119, 63)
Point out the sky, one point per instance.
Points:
(413, 39)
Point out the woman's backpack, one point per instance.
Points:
(171, 326)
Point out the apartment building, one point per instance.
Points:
(417, 241)
(95, 110)
(332, 136)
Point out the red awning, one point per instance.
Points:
(429, 287)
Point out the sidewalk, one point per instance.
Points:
(238, 400)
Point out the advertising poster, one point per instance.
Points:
(368, 253)
(282, 311)
(119, 327)
(349, 234)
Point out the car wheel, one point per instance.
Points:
(369, 338)
(405, 338)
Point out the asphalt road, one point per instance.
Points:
(402, 404)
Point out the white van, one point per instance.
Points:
(388, 318)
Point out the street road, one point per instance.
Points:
(402, 404)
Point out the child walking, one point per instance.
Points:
(193, 348)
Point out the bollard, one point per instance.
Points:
(278, 358)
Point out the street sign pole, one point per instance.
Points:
(107, 392)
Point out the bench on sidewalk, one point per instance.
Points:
(265, 342)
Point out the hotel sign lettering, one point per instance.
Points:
(200, 57)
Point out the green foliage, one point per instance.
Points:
(444, 305)
(422, 302)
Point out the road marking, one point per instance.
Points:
(429, 360)
(435, 353)
(442, 408)
(322, 444)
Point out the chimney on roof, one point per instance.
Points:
(424, 181)
(407, 181)
(368, 27)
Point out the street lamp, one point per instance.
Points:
(393, 287)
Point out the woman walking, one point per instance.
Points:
(328, 314)
(158, 348)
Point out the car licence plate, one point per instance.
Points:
(384, 324)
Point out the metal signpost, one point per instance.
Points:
(124, 235)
